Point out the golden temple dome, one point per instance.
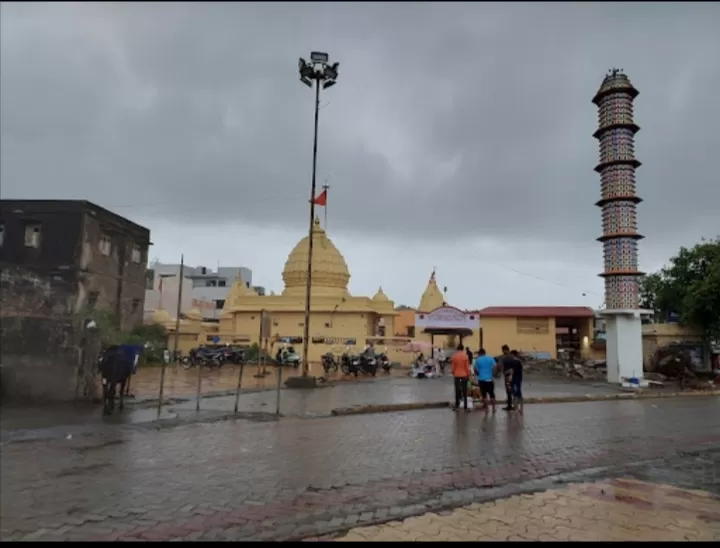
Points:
(161, 316)
(380, 296)
(330, 274)
(432, 298)
(194, 315)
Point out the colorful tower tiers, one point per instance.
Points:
(616, 134)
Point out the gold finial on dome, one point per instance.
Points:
(380, 296)
(316, 222)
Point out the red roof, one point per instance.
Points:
(536, 312)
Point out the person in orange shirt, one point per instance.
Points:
(461, 373)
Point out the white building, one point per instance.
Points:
(206, 290)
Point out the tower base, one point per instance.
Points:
(623, 343)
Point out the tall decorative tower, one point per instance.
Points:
(616, 134)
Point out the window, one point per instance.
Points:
(221, 283)
(136, 254)
(32, 235)
(210, 283)
(105, 244)
(2, 234)
(219, 304)
(533, 325)
(410, 330)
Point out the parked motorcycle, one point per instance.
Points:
(384, 362)
(204, 357)
(346, 363)
(367, 365)
(234, 355)
(329, 363)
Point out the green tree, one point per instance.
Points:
(688, 286)
(152, 337)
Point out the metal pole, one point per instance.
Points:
(177, 334)
(277, 397)
(179, 307)
(239, 385)
(199, 385)
(306, 334)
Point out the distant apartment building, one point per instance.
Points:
(98, 256)
(203, 288)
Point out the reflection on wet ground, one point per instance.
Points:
(182, 383)
(303, 403)
(615, 510)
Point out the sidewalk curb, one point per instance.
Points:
(394, 407)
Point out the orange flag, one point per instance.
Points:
(321, 199)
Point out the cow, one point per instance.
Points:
(115, 368)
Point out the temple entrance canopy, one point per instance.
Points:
(447, 321)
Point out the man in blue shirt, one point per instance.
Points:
(485, 371)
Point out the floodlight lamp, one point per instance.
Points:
(330, 73)
(301, 63)
(307, 72)
(319, 57)
(335, 66)
(305, 81)
(328, 84)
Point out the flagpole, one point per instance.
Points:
(325, 189)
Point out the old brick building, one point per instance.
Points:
(59, 259)
(101, 255)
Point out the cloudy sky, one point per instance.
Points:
(458, 136)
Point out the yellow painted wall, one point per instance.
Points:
(290, 324)
(658, 335)
(499, 331)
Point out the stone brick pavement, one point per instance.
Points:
(294, 478)
(615, 510)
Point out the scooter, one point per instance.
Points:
(288, 356)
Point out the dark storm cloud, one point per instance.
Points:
(447, 118)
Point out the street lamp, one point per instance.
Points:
(320, 71)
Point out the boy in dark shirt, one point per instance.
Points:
(512, 370)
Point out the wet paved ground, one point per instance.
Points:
(615, 510)
(294, 478)
(181, 383)
(322, 401)
(299, 403)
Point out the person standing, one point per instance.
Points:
(461, 374)
(512, 368)
(469, 354)
(516, 381)
(485, 371)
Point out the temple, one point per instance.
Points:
(337, 318)
(616, 134)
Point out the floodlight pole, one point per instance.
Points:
(308, 288)
(325, 75)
